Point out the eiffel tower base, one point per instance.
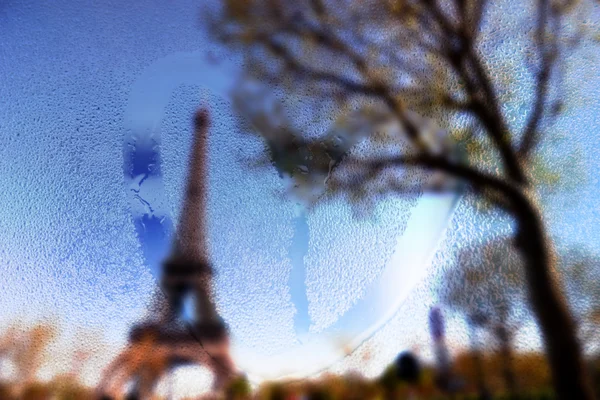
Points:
(154, 351)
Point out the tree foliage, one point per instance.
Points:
(580, 269)
(488, 280)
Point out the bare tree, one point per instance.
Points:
(486, 286)
(581, 270)
(394, 66)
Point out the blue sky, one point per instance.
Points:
(80, 80)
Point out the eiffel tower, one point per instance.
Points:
(165, 341)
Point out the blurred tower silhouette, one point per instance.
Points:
(187, 272)
(166, 340)
(438, 334)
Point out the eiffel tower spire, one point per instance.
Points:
(190, 240)
(187, 270)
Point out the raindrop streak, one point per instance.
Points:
(297, 279)
(153, 230)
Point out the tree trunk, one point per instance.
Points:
(478, 364)
(563, 350)
(505, 339)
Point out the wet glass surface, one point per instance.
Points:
(95, 133)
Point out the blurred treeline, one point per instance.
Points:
(27, 350)
(533, 374)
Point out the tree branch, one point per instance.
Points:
(479, 180)
(462, 56)
(484, 104)
(530, 136)
(375, 90)
(294, 64)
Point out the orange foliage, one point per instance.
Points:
(531, 371)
